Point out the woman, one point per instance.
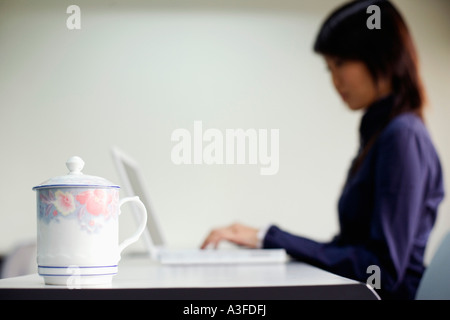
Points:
(390, 200)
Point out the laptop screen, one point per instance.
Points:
(133, 185)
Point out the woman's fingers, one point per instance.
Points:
(236, 233)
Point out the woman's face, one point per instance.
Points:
(355, 84)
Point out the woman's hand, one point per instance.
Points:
(236, 233)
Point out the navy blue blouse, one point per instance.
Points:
(386, 210)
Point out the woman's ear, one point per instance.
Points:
(383, 86)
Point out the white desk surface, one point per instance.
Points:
(142, 273)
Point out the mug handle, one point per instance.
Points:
(143, 222)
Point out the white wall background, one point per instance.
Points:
(137, 70)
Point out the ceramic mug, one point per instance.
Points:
(78, 228)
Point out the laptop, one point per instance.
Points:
(133, 184)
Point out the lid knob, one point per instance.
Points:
(75, 165)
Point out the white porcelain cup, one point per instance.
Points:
(78, 228)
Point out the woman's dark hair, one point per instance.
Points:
(387, 52)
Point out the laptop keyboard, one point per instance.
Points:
(220, 256)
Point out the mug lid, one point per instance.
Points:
(75, 178)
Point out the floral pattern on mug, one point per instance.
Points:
(64, 203)
(96, 201)
(92, 208)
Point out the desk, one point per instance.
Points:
(141, 278)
